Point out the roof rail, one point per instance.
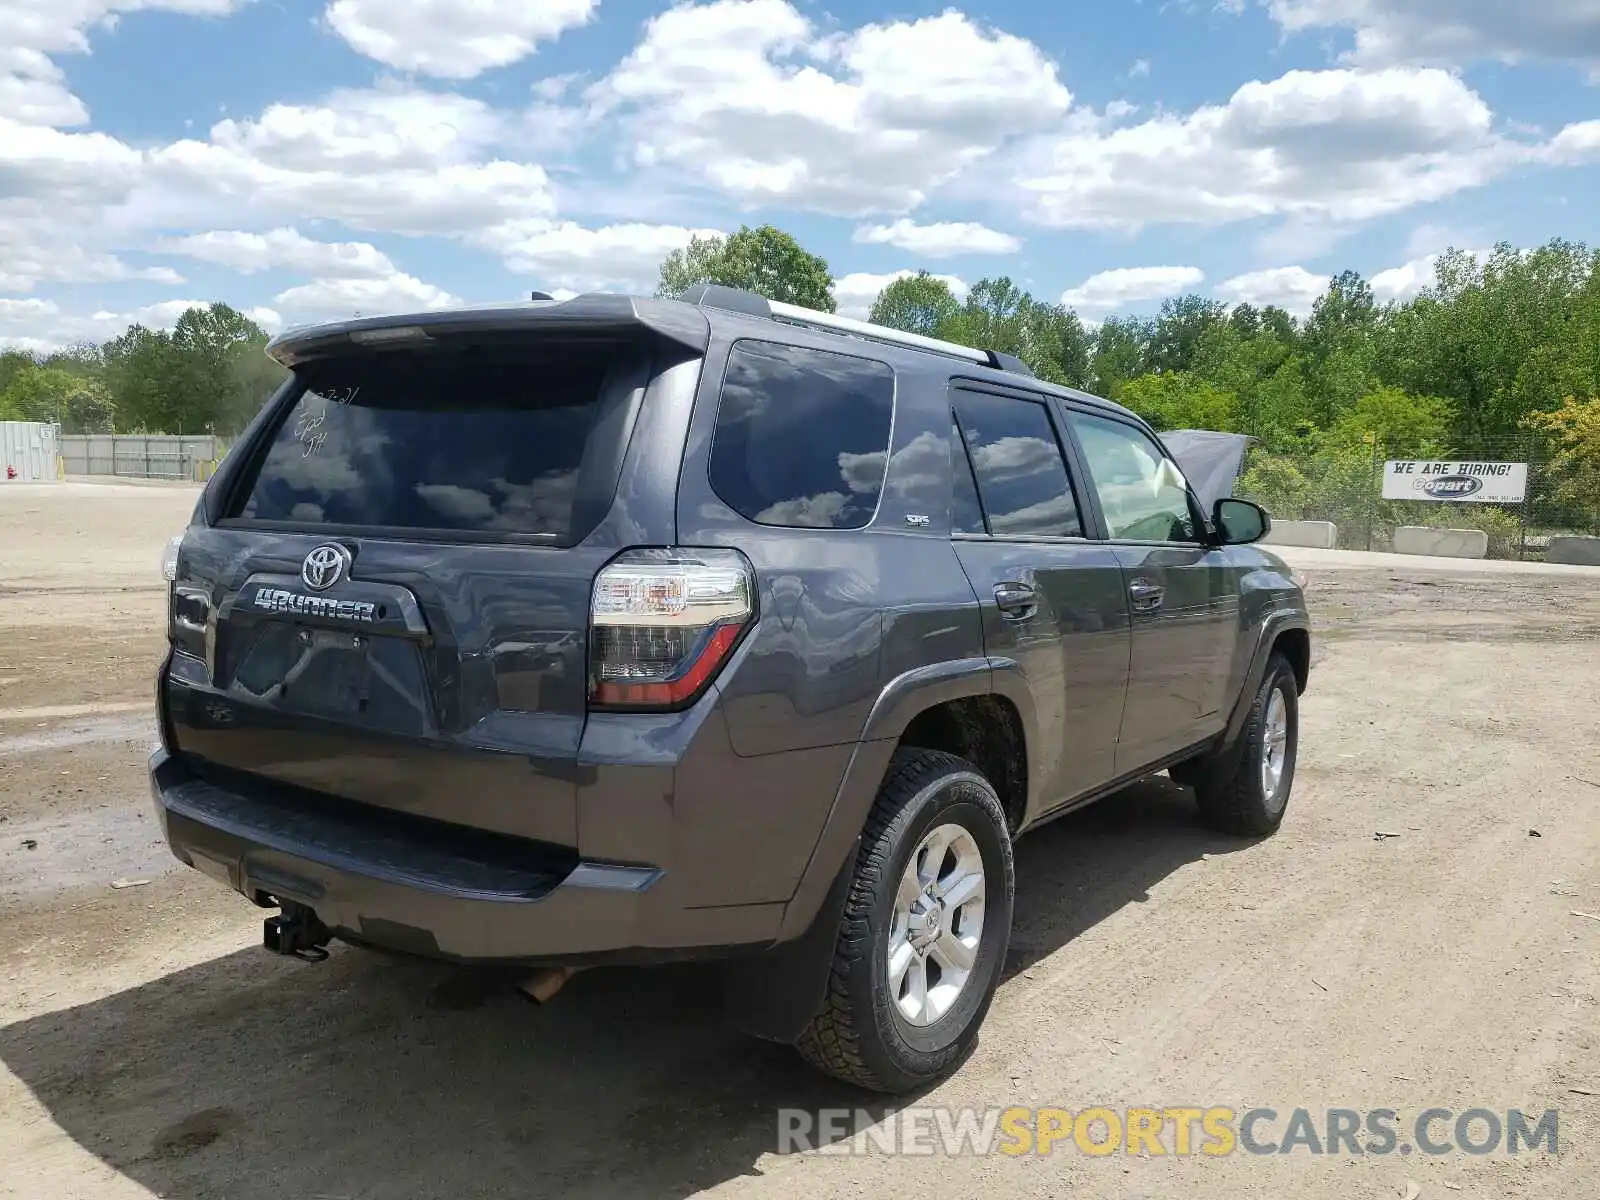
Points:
(714, 295)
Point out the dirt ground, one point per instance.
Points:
(148, 1047)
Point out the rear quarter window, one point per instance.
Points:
(802, 436)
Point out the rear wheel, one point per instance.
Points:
(925, 929)
(1244, 788)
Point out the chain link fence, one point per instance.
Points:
(1344, 487)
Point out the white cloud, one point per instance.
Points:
(42, 327)
(267, 318)
(1109, 290)
(356, 129)
(569, 257)
(34, 251)
(943, 239)
(1405, 281)
(1293, 289)
(163, 314)
(367, 297)
(25, 310)
(1575, 145)
(1338, 145)
(453, 39)
(1416, 275)
(43, 168)
(1453, 31)
(748, 96)
(392, 159)
(33, 89)
(854, 293)
(285, 249)
(1140, 68)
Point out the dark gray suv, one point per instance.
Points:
(622, 630)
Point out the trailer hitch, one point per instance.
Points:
(296, 931)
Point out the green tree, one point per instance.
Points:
(12, 363)
(1340, 357)
(1121, 352)
(156, 387)
(1176, 334)
(1064, 347)
(1181, 400)
(226, 350)
(1573, 435)
(1404, 425)
(1280, 325)
(1250, 360)
(36, 393)
(998, 315)
(764, 260)
(208, 375)
(1500, 338)
(920, 303)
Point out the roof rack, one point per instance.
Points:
(715, 295)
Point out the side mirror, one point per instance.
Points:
(1240, 522)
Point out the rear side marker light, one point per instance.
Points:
(663, 623)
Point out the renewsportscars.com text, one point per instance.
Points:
(1170, 1130)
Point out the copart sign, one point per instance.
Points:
(1472, 482)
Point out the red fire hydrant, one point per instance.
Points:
(11, 472)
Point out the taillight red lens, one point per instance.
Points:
(663, 622)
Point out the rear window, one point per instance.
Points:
(466, 442)
(802, 436)
(1022, 477)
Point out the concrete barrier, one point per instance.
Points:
(1584, 551)
(1319, 535)
(1441, 543)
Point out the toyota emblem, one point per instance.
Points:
(325, 566)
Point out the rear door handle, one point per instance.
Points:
(1146, 595)
(1016, 601)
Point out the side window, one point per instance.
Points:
(1142, 493)
(965, 514)
(1021, 476)
(802, 436)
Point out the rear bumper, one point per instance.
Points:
(438, 897)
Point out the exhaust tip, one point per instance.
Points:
(541, 987)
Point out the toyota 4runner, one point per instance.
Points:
(620, 630)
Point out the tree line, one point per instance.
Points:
(1498, 359)
(208, 374)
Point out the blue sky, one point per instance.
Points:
(310, 159)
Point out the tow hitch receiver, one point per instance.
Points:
(296, 931)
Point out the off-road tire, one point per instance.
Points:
(857, 1035)
(1228, 785)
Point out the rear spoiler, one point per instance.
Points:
(599, 314)
(1212, 462)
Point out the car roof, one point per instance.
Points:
(687, 321)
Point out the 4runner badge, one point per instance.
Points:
(325, 566)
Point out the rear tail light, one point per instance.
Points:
(662, 624)
(169, 558)
(188, 606)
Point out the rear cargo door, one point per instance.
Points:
(396, 595)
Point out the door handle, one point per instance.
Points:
(1146, 596)
(1016, 601)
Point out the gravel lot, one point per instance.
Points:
(147, 1047)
